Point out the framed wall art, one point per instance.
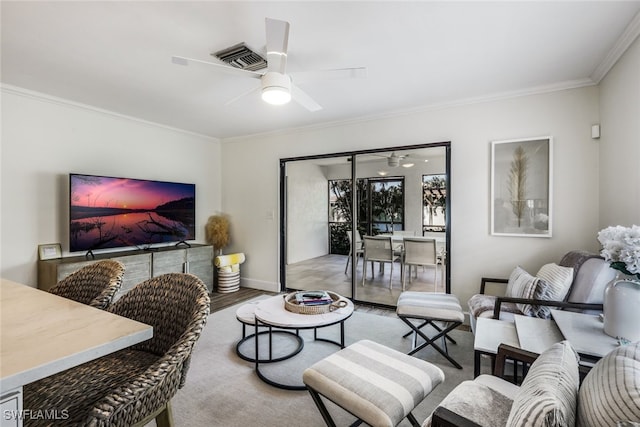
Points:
(521, 185)
(50, 251)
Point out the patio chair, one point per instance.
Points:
(358, 247)
(419, 252)
(379, 249)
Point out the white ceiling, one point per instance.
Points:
(117, 55)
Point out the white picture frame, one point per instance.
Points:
(50, 251)
(521, 187)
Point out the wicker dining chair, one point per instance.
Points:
(95, 284)
(132, 386)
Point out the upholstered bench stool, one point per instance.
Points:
(378, 385)
(245, 314)
(429, 308)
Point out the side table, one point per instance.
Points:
(490, 333)
(586, 334)
(271, 313)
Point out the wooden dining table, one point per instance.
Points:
(42, 334)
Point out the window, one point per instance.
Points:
(385, 212)
(339, 216)
(380, 209)
(434, 197)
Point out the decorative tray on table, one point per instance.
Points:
(313, 302)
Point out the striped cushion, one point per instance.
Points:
(522, 285)
(553, 284)
(559, 280)
(514, 286)
(548, 396)
(375, 383)
(559, 277)
(426, 305)
(611, 391)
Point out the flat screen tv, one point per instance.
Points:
(108, 212)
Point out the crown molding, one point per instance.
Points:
(536, 90)
(39, 96)
(629, 35)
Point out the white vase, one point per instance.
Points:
(622, 307)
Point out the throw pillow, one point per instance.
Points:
(519, 284)
(553, 284)
(558, 281)
(610, 391)
(522, 285)
(549, 393)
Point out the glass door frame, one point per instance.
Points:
(353, 155)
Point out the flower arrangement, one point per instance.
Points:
(217, 232)
(621, 247)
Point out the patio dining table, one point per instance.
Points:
(441, 245)
(441, 242)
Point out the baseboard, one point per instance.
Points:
(261, 285)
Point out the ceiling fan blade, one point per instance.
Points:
(181, 60)
(242, 95)
(277, 44)
(336, 74)
(302, 98)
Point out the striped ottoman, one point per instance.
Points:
(377, 384)
(427, 308)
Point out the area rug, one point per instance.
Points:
(223, 390)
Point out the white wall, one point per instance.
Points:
(44, 139)
(308, 207)
(565, 115)
(620, 142)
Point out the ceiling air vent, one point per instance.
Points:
(240, 56)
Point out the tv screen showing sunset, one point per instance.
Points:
(108, 212)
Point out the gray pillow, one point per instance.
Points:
(524, 286)
(518, 285)
(549, 393)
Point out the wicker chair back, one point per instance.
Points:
(95, 284)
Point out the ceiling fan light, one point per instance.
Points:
(276, 95)
(276, 88)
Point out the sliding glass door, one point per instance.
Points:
(325, 215)
(315, 221)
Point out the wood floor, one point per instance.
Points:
(222, 301)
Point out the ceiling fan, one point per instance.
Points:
(406, 160)
(276, 86)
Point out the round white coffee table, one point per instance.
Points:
(272, 313)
